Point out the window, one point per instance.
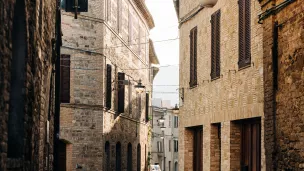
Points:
(129, 159)
(107, 156)
(169, 121)
(244, 33)
(138, 157)
(159, 146)
(17, 83)
(169, 145)
(175, 121)
(109, 87)
(65, 78)
(139, 105)
(215, 45)
(121, 93)
(118, 156)
(193, 57)
(169, 164)
(175, 166)
(147, 107)
(175, 145)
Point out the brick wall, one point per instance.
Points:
(284, 107)
(237, 93)
(215, 147)
(39, 30)
(235, 146)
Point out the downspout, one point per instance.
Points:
(275, 87)
(57, 86)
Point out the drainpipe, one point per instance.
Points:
(275, 86)
(57, 87)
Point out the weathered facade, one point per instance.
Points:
(27, 58)
(104, 122)
(283, 62)
(221, 85)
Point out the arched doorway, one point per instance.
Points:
(175, 166)
(129, 159)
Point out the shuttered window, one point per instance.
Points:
(193, 57)
(215, 45)
(244, 34)
(121, 93)
(147, 107)
(109, 87)
(65, 78)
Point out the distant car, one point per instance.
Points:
(155, 168)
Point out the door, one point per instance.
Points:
(251, 146)
(62, 156)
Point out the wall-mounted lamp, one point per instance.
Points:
(139, 87)
(161, 120)
(175, 109)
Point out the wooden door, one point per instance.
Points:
(251, 147)
(62, 156)
(197, 149)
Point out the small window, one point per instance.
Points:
(147, 107)
(175, 121)
(175, 145)
(129, 159)
(215, 45)
(121, 92)
(193, 57)
(109, 87)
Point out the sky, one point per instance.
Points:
(166, 27)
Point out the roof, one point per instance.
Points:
(152, 55)
(144, 10)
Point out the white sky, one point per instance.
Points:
(166, 27)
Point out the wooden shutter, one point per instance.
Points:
(244, 33)
(193, 57)
(109, 87)
(121, 93)
(65, 78)
(215, 45)
(147, 107)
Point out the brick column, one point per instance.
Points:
(235, 146)
(215, 147)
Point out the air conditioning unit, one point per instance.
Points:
(208, 3)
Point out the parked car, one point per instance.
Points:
(155, 168)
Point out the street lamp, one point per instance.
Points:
(175, 109)
(139, 87)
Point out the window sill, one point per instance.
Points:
(245, 67)
(216, 78)
(193, 86)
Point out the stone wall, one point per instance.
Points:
(284, 115)
(38, 88)
(99, 37)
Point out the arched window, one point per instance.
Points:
(138, 157)
(118, 156)
(129, 159)
(107, 156)
(176, 166)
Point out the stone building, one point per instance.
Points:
(106, 52)
(27, 56)
(283, 62)
(221, 85)
(164, 151)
